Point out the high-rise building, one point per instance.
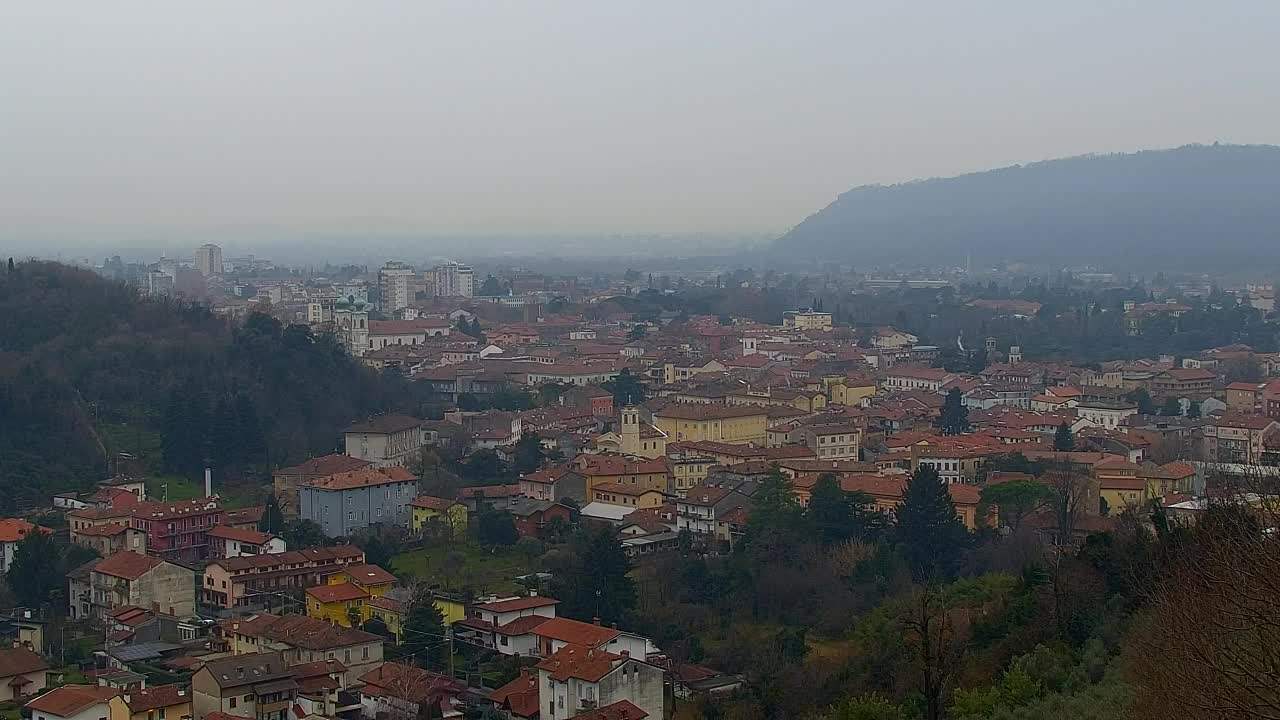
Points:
(394, 283)
(209, 260)
(453, 280)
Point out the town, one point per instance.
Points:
(627, 496)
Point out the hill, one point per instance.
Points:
(1183, 207)
(88, 369)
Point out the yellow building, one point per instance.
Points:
(652, 474)
(849, 391)
(160, 702)
(807, 320)
(690, 422)
(390, 611)
(614, 493)
(428, 510)
(341, 604)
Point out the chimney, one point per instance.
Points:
(181, 693)
(208, 482)
(533, 592)
(126, 698)
(596, 620)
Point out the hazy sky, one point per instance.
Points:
(188, 119)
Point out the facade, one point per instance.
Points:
(385, 440)
(259, 686)
(1105, 414)
(578, 679)
(110, 538)
(691, 422)
(161, 702)
(178, 530)
(428, 510)
(343, 503)
(229, 542)
(1237, 438)
(395, 286)
(128, 578)
(12, 532)
(75, 702)
(22, 672)
(209, 260)
(806, 320)
(452, 280)
(394, 333)
(240, 582)
(288, 479)
(555, 483)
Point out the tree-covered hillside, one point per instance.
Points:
(1192, 207)
(82, 357)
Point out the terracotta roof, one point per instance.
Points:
(313, 634)
(325, 465)
(218, 715)
(104, 530)
(520, 696)
(700, 411)
(385, 424)
(620, 488)
(1189, 374)
(342, 592)
(368, 574)
(319, 667)
(251, 537)
(155, 697)
(409, 683)
(1178, 469)
(71, 699)
(517, 604)
(322, 555)
(577, 633)
(621, 710)
(578, 661)
(17, 661)
(364, 477)
(248, 669)
(127, 565)
(429, 502)
(522, 625)
(489, 491)
(385, 603)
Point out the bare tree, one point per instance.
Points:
(938, 636)
(1071, 495)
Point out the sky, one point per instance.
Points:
(200, 121)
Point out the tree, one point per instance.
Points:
(496, 527)
(483, 466)
(637, 332)
(937, 636)
(592, 578)
(1069, 492)
(626, 389)
(272, 518)
(1172, 407)
(774, 525)
(954, 417)
(837, 516)
(1063, 439)
(1193, 410)
(36, 571)
(490, 287)
(528, 454)
(927, 527)
(302, 534)
(1142, 398)
(424, 637)
(1015, 500)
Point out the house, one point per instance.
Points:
(22, 672)
(403, 691)
(390, 611)
(226, 542)
(651, 474)
(258, 685)
(693, 422)
(319, 685)
(519, 698)
(128, 578)
(160, 702)
(580, 680)
(591, 397)
(555, 483)
(287, 480)
(1233, 438)
(385, 440)
(342, 601)
(1193, 383)
(242, 582)
(905, 377)
(434, 511)
(630, 496)
(179, 529)
(507, 624)
(109, 538)
(806, 319)
(302, 639)
(705, 510)
(343, 503)
(75, 702)
(531, 517)
(1105, 414)
(12, 532)
(391, 333)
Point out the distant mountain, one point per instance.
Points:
(1194, 206)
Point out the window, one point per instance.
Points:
(161, 713)
(248, 697)
(232, 703)
(346, 656)
(364, 653)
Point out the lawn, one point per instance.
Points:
(483, 571)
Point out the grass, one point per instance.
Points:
(477, 569)
(179, 488)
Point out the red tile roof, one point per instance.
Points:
(621, 710)
(576, 633)
(19, 661)
(522, 625)
(429, 502)
(517, 604)
(520, 696)
(70, 699)
(578, 661)
(700, 411)
(325, 465)
(367, 574)
(127, 565)
(13, 529)
(156, 697)
(364, 477)
(251, 537)
(342, 592)
(385, 425)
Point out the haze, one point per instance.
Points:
(167, 122)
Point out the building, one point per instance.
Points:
(161, 702)
(229, 542)
(395, 690)
(395, 281)
(343, 503)
(578, 680)
(259, 686)
(351, 326)
(342, 601)
(109, 538)
(835, 440)
(1193, 383)
(385, 440)
(428, 511)
(22, 673)
(288, 479)
(625, 495)
(806, 319)
(452, 280)
(246, 581)
(178, 529)
(395, 333)
(634, 437)
(555, 483)
(75, 702)
(12, 532)
(1234, 438)
(640, 474)
(128, 578)
(1105, 414)
(302, 639)
(693, 422)
(905, 377)
(209, 260)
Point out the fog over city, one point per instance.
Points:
(409, 128)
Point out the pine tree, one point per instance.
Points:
(36, 570)
(954, 418)
(252, 443)
(272, 518)
(1063, 439)
(424, 638)
(927, 528)
(774, 525)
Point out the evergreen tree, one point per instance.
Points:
(774, 524)
(225, 437)
(272, 518)
(1143, 400)
(36, 571)
(836, 516)
(1063, 439)
(528, 454)
(1172, 407)
(593, 578)
(476, 331)
(978, 362)
(424, 638)
(954, 418)
(252, 442)
(1193, 410)
(927, 529)
(495, 527)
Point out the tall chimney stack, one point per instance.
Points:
(208, 482)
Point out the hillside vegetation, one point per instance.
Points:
(1188, 207)
(87, 365)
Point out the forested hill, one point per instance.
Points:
(1175, 208)
(82, 357)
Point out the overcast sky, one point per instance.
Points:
(174, 119)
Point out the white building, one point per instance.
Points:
(352, 325)
(209, 260)
(577, 679)
(74, 702)
(394, 281)
(452, 280)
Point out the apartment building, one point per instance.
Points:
(240, 582)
